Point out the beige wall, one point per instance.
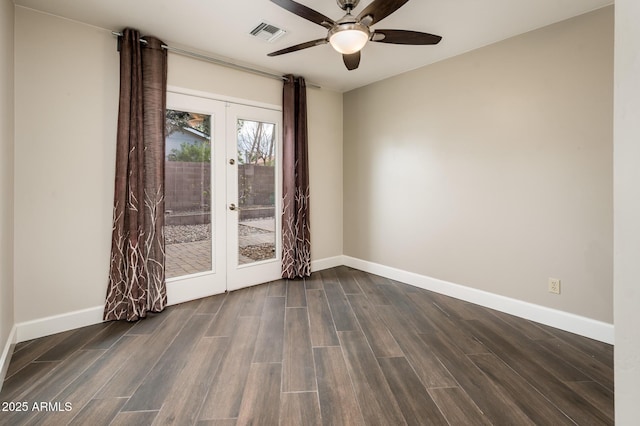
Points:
(66, 86)
(204, 76)
(627, 211)
(66, 113)
(6, 171)
(492, 169)
(325, 172)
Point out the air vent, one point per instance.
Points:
(267, 32)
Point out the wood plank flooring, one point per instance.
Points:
(341, 348)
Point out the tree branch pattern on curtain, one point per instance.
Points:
(136, 275)
(296, 240)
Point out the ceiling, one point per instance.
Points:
(221, 29)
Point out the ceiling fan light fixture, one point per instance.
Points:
(349, 34)
(348, 38)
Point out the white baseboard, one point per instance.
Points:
(6, 354)
(58, 323)
(326, 263)
(577, 324)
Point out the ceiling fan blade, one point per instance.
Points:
(300, 46)
(351, 61)
(378, 10)
(404, 37)
(305, 12)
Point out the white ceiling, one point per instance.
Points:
(220, 29)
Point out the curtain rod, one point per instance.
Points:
(220, 61)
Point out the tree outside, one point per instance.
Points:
(256, 142)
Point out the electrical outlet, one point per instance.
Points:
(554, 285)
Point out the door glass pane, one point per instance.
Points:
(187, 230)
(256, 191)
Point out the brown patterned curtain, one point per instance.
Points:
(136, 275)
(296, 242)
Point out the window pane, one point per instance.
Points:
(256, 191)
(188, 233)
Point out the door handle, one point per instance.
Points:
(232, 207)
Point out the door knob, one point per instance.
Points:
(232, 206)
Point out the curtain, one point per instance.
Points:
(296, 242)
(136, 274)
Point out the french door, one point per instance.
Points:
(222, 196)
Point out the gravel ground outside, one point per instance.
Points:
(176, 234)
(259, 251)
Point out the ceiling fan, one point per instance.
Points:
(350, 34)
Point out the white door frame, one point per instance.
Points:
(226, 275)
(239, 276)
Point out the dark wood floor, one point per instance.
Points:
(341, 348)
